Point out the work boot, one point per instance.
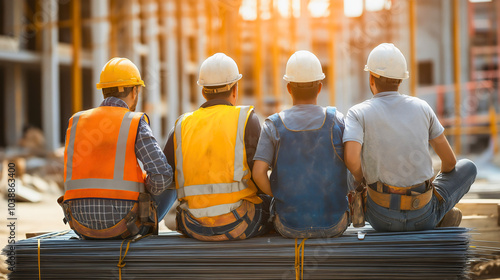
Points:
(451, 219)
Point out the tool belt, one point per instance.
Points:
(231, 226)
(142, 214)
(402, 198)
(357, 205)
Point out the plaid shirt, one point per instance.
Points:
(98, 213)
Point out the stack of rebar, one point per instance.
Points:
(434, 254)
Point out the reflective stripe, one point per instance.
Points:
(71, 147)
(210, 189)
(239, 147)
(108, 184)
(178, 152)
(121, 146)
(212, 211)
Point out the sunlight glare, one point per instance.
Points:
(353, 8)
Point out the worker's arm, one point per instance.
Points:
(259, 174)
(352, 159)
(159, 172)
(443, 150)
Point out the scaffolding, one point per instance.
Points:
(51, 54)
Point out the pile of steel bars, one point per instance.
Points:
(434, 254)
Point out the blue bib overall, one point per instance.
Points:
(309, 179)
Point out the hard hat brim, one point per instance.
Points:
(406, 76)
(120, 84)
(292, 79)
(202, 84)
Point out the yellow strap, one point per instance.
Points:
(299, 259)
(121, 264)
(39, 240)
(39, 274)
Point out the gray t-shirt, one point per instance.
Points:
(299, 117)
(394, 130)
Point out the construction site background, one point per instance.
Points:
(52, 53)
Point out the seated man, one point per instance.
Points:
(104, 194)
(303, 145)
(213, 149)
(387, 146)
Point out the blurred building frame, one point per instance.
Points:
(52, 51)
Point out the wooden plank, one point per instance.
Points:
(474, 207)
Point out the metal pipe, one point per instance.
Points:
(413, 48)
(77, 70)
(456, 55)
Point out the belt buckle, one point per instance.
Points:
(415, 203)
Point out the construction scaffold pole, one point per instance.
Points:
(457, 69)
(331, 54)
(77, 70)
(413, 48)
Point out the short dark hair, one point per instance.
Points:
(301, 91)
(386, 84)
(115, 92)
(219, 95)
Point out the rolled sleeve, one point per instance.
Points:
(353, 128)
(147, 150)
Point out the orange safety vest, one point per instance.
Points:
(99, 159)
(212, 175)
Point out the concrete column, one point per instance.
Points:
(50, 75)
(100, 44)
(14, 111)
(152, 72)
(183, 54)
(171, 77)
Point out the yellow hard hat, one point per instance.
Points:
(120, 72)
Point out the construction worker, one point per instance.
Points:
(107, 194)
(387, 147)
(303, 146)
(213, 149)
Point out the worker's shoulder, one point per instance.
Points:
(362, 107)
(418, 102)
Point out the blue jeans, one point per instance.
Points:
(452, 186)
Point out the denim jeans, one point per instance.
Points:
(452, 186)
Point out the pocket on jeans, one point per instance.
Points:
(377, 221)
(425, 221)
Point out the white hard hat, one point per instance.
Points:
(386, 60)
(303, 67)
(218, 70)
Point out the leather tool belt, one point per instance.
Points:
(143, 213)
(402, 198)
(231, 226)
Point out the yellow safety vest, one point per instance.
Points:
(212, 175)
